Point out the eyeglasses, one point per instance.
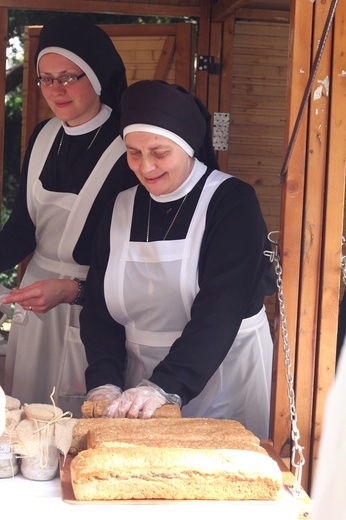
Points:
(65, 81)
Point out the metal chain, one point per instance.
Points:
(297, 457)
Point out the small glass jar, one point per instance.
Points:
(44, 465)
(8, 462)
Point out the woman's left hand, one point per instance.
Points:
(140, 402)
(42, 296)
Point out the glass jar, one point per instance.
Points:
(44, 465)
(41, 461)
(8, 462)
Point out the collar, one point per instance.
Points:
(196, 174)
(91, 125)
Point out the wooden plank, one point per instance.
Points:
(273, 89)
(124, 30)
(226, 80)
(186, 39)
(213, 103)
(31, 93)
(104, 6)
(314, 208)
(222, 9)
(332, 231)
(3, 45)
(31, 97)
(203, 49)
(264, 15)
(166, 56)
(291, 221)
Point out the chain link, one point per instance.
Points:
(297, 457)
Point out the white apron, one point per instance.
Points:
(155, 313)
(47, 352)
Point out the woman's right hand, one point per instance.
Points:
(44, 295)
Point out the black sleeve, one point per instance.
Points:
(232, 267)
(17, 238)
(103, 338)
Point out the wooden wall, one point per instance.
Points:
(258, 111)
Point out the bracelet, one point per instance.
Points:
(80, 294)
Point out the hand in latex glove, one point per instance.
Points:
(104, 393)
(140, 402)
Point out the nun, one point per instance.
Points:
(74, 165)
(178, 276)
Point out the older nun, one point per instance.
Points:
(178, 275)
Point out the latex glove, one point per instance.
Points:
(140, 402)
(104, 393)
(44, 295)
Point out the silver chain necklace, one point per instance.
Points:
(90, 145)
(171, 224)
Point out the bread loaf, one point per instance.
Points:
(173, 433)
(174, 459)
(174, 474)
(95, 409)
(79, 441)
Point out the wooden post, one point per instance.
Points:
(292, 207)
(311, 225)
(226, 80)
(203, 49)
(332, 229)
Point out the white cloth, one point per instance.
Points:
(47, 351)
(329, 484)
(153, 321)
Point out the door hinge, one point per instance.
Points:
(207, 63)
(221, 131)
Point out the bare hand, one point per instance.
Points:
(42, 296)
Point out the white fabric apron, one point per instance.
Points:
(47, 352)
(155, 313)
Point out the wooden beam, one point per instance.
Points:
(184, 74)
(164, 62)
(222, 9)
(226, 80)
(311, 266)
(3, 46)
(311, 242)
(203, 49)
(263, 15)
(332, 230)
(105, 6)
(292, 207)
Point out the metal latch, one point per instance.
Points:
(207, 63)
